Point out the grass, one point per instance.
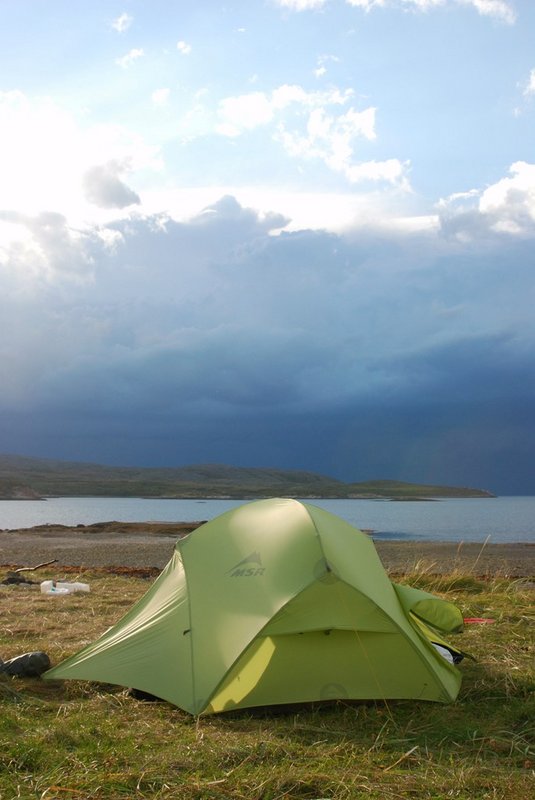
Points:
(81, 741)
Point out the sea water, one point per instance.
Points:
(501, 519)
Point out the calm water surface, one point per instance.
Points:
(503, 519)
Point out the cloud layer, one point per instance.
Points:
(501, 9)
(215, 340)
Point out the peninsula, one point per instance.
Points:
(26, 478)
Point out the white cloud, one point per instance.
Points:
(287, 94)
(47, 151)
(331, 139)
(500, 9)
(130, 58)
(505, 207)
(459, 200)
(367, 5)
(301, 5)
(78, 168)
(160, 97)
(242, 113)
(312, 210)
(42, 249)
(309, 126)
(392, 171)
(529, 88)
(511, 201)
(321, 68)
(122, 23)
(248, 111)
(493, 8)
(20, 257)
(183, 47)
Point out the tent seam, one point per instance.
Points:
(318, 537)
(193, 683)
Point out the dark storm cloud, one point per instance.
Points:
(212, 340)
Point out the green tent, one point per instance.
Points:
(275, 602)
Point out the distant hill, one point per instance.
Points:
(22, 477)
(399, 490)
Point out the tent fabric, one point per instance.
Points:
(438, 614)
(274, 602)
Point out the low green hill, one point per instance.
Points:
(400, 490)
(24, 477)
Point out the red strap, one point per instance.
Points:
(478, 621)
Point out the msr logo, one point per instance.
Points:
(249, 567)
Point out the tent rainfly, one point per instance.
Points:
(274, 602)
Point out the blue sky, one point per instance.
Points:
(294, 233)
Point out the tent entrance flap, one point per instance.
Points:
(325, 665)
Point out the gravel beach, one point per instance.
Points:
(150, 545)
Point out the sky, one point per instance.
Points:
(280, 233)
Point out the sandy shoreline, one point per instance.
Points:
(144, 545)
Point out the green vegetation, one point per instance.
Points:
(46, 478)
(399, 490)
(79, 740)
